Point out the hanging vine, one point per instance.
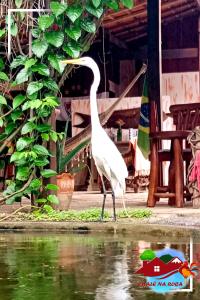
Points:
(28, 84)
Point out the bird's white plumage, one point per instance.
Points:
(107, 157)
(109, 161)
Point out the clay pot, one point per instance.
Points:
(65, 182)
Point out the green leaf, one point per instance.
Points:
(34, 87)
(14, 29)
(30, 62)
(9, 128)
(18, 100)
(54, 136)
(58, 8)
(26, 105)
(16, 156)
(56, 62)
(1, 123)
(35, 104)
(45, 137)
(55, 38)
(41, 162)
(72, 49)
(2, 64)
(23, 143)
(88, 25)
(74, 12)
(22, 173)
(2, 164)
(2, 32)
(41, 200)
(18, 3)
(73, 32)
(47, 173)
(22, 76)
(39, 47)
(40, 150)
(50, 84)
(43, 127)
(52, 101)
(128, 3)
(97, 12)
(3, 136)
(21, 15)
(28, 127)
(113, 4)
(52, 187)
(96, 3)
(3, 100)
(35, 33)
(36, 184)
(16, 114)
(48, 209)
(42, 69)
(3, 76)
(18, 61)
(53, 199)
(11, 200)
(45, 21)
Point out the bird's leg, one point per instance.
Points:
(104, 198)
(114, 210)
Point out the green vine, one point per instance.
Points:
(25, 132)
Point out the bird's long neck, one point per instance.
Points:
(93, 98)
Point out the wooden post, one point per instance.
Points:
(154, 70)
(199, 48)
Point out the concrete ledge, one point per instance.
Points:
(137, 230)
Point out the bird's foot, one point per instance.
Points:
(100, 219)
(113, 218)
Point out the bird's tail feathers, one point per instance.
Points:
(119, 189)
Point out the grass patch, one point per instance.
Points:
(86, 215)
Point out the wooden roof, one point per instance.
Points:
(129, 25)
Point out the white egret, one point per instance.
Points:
(107, 158)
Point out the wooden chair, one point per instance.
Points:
(185, 118)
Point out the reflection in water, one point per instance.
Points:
(80, 267)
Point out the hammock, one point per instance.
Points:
(193, 176)
(86, 133)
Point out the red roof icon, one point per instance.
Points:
(157, 267)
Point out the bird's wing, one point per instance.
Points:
(108, 158)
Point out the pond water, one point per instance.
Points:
(81, 267)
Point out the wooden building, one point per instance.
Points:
(165, 35)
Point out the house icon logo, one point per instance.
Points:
(166, 270)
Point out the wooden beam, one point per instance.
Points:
(119, 43)
(154, 56)
(180, 53)
(169, 8)
(141, 54)
(164, 22)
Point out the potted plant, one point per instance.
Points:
(65, 170)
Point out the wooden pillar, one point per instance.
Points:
(199, 48)
(154, 56)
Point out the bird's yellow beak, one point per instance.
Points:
(74, 61)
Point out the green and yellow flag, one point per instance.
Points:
(144, 123)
